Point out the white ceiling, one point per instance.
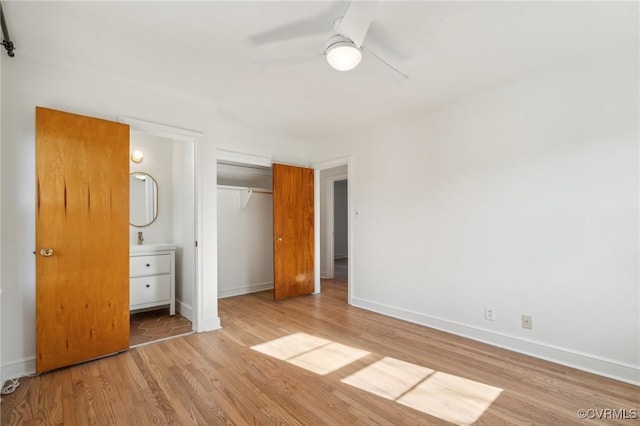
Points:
(223, 52)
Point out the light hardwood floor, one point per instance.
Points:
(218, 378)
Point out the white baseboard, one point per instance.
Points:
(184, 310)
(621, 371)
(323, 275)
(208, 324)
(251, 288)
(20, 368)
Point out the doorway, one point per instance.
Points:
(333, 224)
(265, 227)
(169, 156)
(340, 231)
(245, 228)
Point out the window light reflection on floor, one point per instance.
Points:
(312, 353)
(445, 396)
(451, 398)
(389, 378)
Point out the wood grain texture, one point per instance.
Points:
(216, 378)
(82, 290)
(293, 247)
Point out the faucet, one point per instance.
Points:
(140, 238)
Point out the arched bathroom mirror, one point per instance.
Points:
(143, 203)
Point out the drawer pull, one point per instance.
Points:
(148, 285)
(148, 264)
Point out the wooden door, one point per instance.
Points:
(293, 247)
(82, 238)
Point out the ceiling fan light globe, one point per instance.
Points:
(343, 56)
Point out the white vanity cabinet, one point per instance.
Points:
(152, 280)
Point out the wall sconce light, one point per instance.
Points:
(137, 157)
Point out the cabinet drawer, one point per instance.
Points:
(149, 289)
(149, 265)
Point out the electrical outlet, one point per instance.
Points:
(489, 313)
(527, 322)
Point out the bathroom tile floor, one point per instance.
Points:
(155, 325)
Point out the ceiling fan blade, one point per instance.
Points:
(384, 43)
(287, 61)
(318, 24)
(355, 23)
(399, 75)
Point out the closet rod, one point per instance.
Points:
(246, 188)
(261, 190)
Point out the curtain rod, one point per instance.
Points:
(6, 39)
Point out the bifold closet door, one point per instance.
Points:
(82, 238)
(293, 246)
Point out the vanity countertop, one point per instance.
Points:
(151, 247)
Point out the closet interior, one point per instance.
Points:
(245, 229)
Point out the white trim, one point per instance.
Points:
(318, 167)
(329, 247)
(208, 324)
(240, 158)
(162, 130)
(20, 368)
(184, 310)
(246, 289)
(201, 320)
(621, 371)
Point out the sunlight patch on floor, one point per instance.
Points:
(329, 358)
(452, 398)
(389, 378)
(290, 346)
(312, 353)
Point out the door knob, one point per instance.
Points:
(46, 252)
(278, 238)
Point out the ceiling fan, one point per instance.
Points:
(344, 49)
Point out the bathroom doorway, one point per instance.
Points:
(168, 157)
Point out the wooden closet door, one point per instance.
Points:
(82, 238)
(293, 247)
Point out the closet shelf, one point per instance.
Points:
(245, 192)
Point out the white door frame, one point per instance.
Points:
(199, 314)
(318, 167)
(329, 248)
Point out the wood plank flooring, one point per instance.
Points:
(217, 378)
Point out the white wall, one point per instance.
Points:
(157, 162)
(324, 175)
(523, 197)
(29, 81)
(245, 243)
(340, 222)
(234, 135)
